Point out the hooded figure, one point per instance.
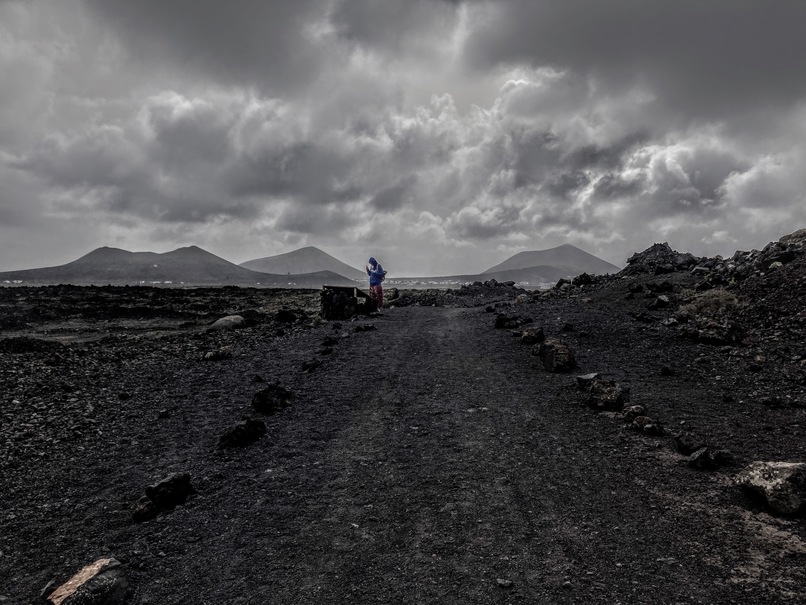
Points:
(376, 274)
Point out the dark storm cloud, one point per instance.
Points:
(608, 157)
(395, 27)
(303, 170)
(614, 186)
(395, 197)
(563, 185)
(702, 57)
(248, 42)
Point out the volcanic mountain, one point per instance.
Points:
(190, 265)
(567, 259)
(304, 260)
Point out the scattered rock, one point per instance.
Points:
(365, 328)
(661, 302)
(171, 491)
(556, 355)
(286, 316)
(243, 433)
(532, 336)
(310, 365)
(653, 427)
(230, 322)
(271, 399)
(702, 460)
(667, 371)
(687, 443)
(606, 395)
(633, 412)
(660, 287)
(781, 485)
(584, 380)
(218, 355)
(163, 495)
(100, 583)
(502, 583)
(505, 322)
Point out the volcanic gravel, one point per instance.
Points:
(427, 457)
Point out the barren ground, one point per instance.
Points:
(431, 460)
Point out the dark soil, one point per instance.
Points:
(429, 460)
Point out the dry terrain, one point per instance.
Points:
(426, 457)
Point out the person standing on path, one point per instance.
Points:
(376, 276)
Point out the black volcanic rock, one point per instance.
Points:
(658, 259)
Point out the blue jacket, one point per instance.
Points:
(375, 272)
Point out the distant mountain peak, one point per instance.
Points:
(566, 257)
(309, 259)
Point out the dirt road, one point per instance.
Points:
(454, 470)
(430, 460)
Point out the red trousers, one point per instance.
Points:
(376, 293)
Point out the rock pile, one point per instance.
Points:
(659, 259)
(743, 264)
(340, 303)
(491, 288)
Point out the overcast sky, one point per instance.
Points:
(440, 137)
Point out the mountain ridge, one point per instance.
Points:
(189, 265)
(305, 267)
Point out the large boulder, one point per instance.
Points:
(781, 485)
(100, 583)
(556, 355)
